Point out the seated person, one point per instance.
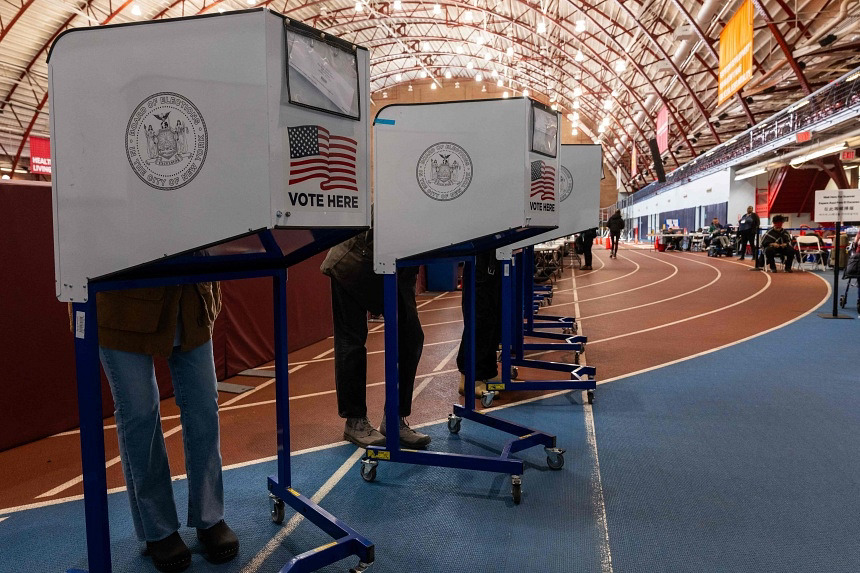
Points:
(777, 241)
(674, 243)
(713, 228)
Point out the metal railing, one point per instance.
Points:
(834, 99)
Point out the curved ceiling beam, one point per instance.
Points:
(774, 29)
(561, 24)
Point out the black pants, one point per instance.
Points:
(614, 237)
(586, 251)
(488, 319)
(746, 238)
(787, 256)
(350, 305)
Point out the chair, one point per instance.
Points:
(809, 246)
(697, 242)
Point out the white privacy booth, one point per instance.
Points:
(451, 180)
(580, 172)
(197, 149)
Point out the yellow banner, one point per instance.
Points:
(736, 52)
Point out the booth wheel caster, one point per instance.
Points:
(567, 331)
(361, 567)
(554, 458)
(368, 469)
(517, 489)
(487, 399)
(842, 301)
(514, 372)
(576, 358)
(278, 507)
(454, 423)
(590, 394)
(549, 301)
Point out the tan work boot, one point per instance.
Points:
(360, 432)
(480, 386)
(409, 438)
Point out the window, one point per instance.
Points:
(322, 74)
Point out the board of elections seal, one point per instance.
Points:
(166, 141)
(565, 182)
(444, 171)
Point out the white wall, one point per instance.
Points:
(742, 195)
(714, 188)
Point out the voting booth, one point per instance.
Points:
(197, 149)
(452, 180)
(580, 172)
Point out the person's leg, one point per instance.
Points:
(410, 339)
(141, 443)
(586, 252)
(350, 353)
(788, 255)
(769, 254)
(195, 386)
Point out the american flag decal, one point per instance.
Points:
(317, 154)
(543, 181)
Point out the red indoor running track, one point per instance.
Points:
(639, 311)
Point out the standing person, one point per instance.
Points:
(588, 237)
(615, 224)
(174, 322)
(777, 241)
(488, 323)
(355, 291)
(747, 231)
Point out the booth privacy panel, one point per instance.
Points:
(174, 135)
(580, 171)
(448, 173)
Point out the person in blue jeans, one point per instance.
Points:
(174, 322)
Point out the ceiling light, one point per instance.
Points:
(221, 10)
(470, 64)
(570, 116)
(135, 9)
(437, 9)
(456, 84)
(749, 174)
(495, 73)
(433, 86)
(579, 56)
(500, 83)
(426, 46)
(580, 26)
(487, 56)
(467, 16)
(422, 74)
(479, 77)
(601, 128)
(384, 95)
(576, 104)
(620, 66)
(575, 132)
(459, 49)
(398, 77)
(398, 5)
(525, 93)
(510, 51)
(577, 91)
(554, 107)
(484, 89)
(615, 93)
(505, 95)
(541, 28)
(359, 7)
(480, 40)
(607, 105)
(575, 115)
(447, 74)
(410, 87)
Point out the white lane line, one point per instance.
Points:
(597, 500)
(435, 298)
(689, 318)
(586, 273)
(429, 324)
(324, 354)
(674, 272)
(450, 355)
(265, 384)
(814, 308)
(458, 307)
(273, 544)
(2, 519)
(634, 271)
(294, 521)
(112, 462)
(662, 300)
(377, 328)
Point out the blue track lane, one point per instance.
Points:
(742, 460)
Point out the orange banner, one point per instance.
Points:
(634, 167)
(736, 52)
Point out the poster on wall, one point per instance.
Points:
(40, 155)
(736, 52)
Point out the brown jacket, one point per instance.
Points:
(144, 320)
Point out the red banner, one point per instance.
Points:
(40, 155)
(663, 129)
